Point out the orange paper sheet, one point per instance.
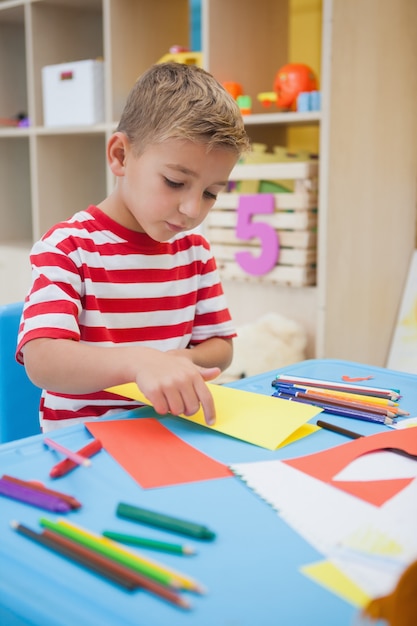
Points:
(153, 455)
(327, 464)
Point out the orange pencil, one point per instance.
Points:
(361, 406)
(348, 396)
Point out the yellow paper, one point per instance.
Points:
(262, 420)
(303, 431)
(329, 576)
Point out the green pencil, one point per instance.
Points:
(99, 545)
(144, 542)
(167, 522)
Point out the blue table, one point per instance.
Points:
(251, 570)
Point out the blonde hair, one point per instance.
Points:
(179, 101)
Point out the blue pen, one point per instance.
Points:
(342, 412)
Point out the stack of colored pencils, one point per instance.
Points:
(372, 404)
(106, 558)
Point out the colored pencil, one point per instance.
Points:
(67, 465)
(74, 456)
(33, 497)
(95, 542)
(342, 395)
(74, 554)
(338, 429)
(353, 435)
(342, 412)
(361, 406)
(73, 502)
(154, 570)
(161, 520)
(134, 578)
(392, 394)
(144, 542)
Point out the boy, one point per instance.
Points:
(123, 291)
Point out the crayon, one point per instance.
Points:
(74, 456)
(166, 522)
(67, 465)
(33, 497)
(73, 502)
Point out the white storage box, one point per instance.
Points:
(73, 93)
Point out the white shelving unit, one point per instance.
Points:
(368, 147)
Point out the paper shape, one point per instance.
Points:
(256, 418)
(332, 578)
(153, 455)
(327, 464)
(380, 465)
(373, 541)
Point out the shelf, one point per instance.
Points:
(313, 117)
(97, 129)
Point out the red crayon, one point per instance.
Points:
(65, 466)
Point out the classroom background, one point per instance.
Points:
(354, 159)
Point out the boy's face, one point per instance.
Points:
(171, 187)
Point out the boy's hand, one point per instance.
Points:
(173, 384)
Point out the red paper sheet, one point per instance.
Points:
(153, 455)
(327, 464)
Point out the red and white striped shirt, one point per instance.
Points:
(98, 282)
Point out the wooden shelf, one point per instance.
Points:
(367, 129)
(311, 117)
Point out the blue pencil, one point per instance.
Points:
(393, 394)
(342, 412)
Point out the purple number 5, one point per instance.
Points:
(246, 229)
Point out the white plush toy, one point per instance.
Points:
(273, 341)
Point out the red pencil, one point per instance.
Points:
(101, 564)
(67, 465)
(74, 554)
(123, 571)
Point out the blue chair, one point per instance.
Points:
(19, 397)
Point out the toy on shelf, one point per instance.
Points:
(20, 120)
(245, 104)
(236, 91)
(293, 87)
(264, 228)
(181, 54)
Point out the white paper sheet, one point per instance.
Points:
(372, 545)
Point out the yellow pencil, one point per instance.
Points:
(179, 579)
(347, 395)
